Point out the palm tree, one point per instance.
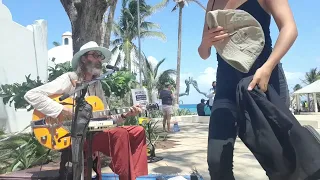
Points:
(55, 43)
(312, 76)
(297, 87)
(153, 80)
(126, 30)
(180, 4)
(107, 24)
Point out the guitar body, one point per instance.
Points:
(47, 130)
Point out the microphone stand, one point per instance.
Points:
(85, 85)
(79, 126)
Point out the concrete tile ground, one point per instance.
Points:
(191, 151)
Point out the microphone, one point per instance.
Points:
(112, 67)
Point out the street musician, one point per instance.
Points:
(126, 145)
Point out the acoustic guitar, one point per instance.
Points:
(56, 136)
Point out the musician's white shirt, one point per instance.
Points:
(38, 97)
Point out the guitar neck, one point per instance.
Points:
(104, 113)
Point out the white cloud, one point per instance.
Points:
(206, 77)
(152, 60)
(294, 78)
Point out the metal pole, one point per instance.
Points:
(139, 43)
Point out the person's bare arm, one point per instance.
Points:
(205, 52)
(211, 36)
(39, 96)
(283, 16)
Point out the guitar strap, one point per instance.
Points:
(95, 165)
(83, 114)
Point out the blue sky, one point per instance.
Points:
(302, 56)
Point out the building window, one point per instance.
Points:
(66, 41)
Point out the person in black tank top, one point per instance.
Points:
(266, 70)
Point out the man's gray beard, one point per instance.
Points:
(94, 71)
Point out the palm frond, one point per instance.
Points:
(55, 43)
(118, 61)
(175, 7)
(157, 67)
(116, 29)
(117, 42)
(148, 72)
(136, 53)
(114, 49)
(160, 5)
(312, 76)
(168, 72)
(153, 34)
(148, 66)
(149, 25)
(197, 2)
(124, 3)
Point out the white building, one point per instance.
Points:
(23, 52)
(63, 52)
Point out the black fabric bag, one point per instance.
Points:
(285, 149)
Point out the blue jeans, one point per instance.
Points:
(223, 127)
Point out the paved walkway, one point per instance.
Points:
(190, 152)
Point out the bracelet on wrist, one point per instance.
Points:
(123, 116)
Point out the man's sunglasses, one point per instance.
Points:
(96, 55)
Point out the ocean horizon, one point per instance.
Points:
(190, 107)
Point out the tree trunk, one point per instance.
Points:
(179, 55)
(108, 25)
(86, 19)
(127, 51)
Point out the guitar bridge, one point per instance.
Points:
(65, 141)
(43, 139)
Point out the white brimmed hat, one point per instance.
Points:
(246, 41)
(90, 46)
